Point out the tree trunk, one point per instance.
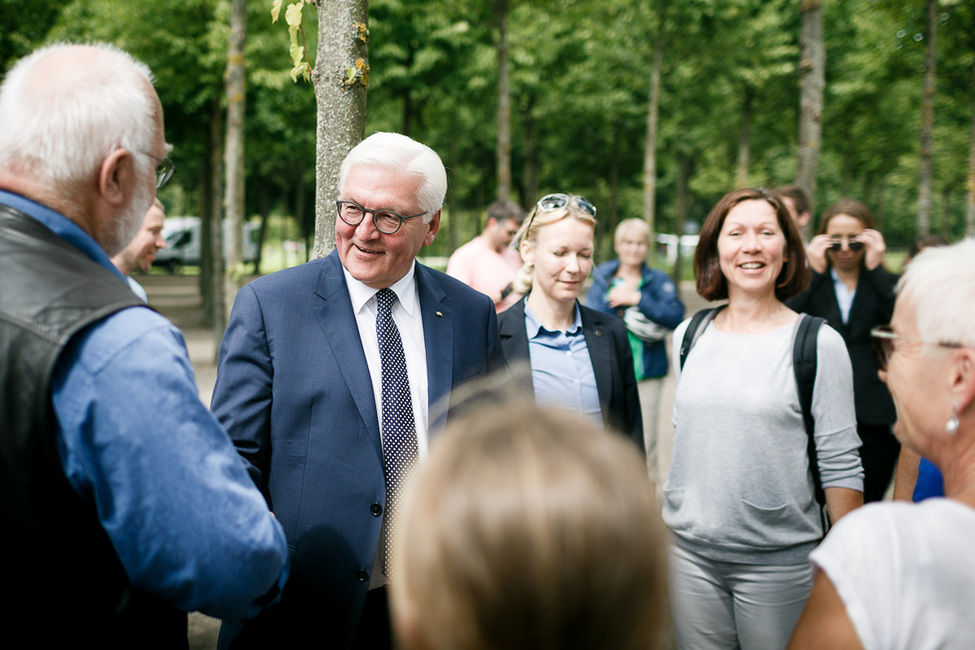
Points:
(532, 170)
(650, 147)
(879, 204)
(215, 247)
(614, 189)
(812, 83)
(925, 195)
(265, 209)
(970, 180)
(236, 85)
(744, 138)
(946, 212)
(452, 211)
(341, 78)
(504, 102)
(847, 166)
(685, 166)
(301, 202)
(210, 206)
(407, 98)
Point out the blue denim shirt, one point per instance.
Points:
(170, 489)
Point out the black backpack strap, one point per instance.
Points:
(695, 328)
(804, 350)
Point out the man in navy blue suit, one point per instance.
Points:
(300, 390)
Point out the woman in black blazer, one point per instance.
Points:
(579, 358)
(853, 291)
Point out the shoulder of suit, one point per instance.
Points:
(512, 313)
(601, 319)
(291, 278)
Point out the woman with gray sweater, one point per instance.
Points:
(739, 498)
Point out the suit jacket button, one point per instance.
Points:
(362, 576)
(376, 509)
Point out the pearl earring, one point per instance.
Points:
(951, 427)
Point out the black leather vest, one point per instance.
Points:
(59, 562)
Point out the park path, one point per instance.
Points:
(178, 298)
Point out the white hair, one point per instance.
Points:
(401, 154)
(60, 117)
(940, 284)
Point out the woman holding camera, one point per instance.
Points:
(853, 291)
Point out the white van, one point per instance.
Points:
(183, 240)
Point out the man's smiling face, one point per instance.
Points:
(376, 259)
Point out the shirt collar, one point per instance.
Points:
(836, 279)
(404, 288)
(533, 326)
(62, 227)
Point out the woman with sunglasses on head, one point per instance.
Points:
(739, 498)
(900, 575)
(579, 358)
(853, 291)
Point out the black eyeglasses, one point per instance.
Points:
(854, 244)
(386, 221)
(164, 169)
(882, 341)
(552, 202)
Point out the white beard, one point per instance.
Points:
(127, 226)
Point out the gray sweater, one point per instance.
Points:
(739, 488)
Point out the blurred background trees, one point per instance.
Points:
(579, 80)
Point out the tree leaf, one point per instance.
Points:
(275, 10)
(293, 14)
(300, 64)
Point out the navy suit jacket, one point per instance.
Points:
(612, 363)
(294, 392)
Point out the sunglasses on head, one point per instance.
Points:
(552, 202)
(854, 244)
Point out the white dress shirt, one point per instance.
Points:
(844, 295)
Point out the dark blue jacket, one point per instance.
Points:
(658, 302)
(294, 392)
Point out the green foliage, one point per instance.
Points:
(580, 78)
(23, 26)
(293, 16)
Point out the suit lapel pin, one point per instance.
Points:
(440, 314)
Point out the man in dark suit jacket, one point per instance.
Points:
(612, 363)
(299, 389)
